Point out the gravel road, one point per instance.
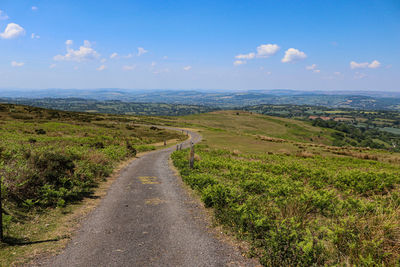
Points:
(147, 219)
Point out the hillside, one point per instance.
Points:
(279, 184)
(51, 159)
(298, 202)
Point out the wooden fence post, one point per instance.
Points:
(165, 142)
(191, 160)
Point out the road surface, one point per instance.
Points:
(147, 219)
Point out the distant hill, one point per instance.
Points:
(213, 99)
(111, 106)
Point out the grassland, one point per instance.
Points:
(52, 159)
(278, 183)
(299, 200)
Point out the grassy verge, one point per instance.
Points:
(302, 211)
(50, 161)
(297, 202)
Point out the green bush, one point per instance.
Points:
(320, 211)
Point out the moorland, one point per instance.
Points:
(282, 183)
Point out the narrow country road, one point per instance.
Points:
(147, 219)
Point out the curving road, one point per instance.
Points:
(147, 219)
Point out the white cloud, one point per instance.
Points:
(165, 57)
(76, 68)
(153, 64)
(17, 64)
(292, 55)
(239, 62)
(337, 73)
(3, 15)
(186, 68)
(128, 56)
(34, 8)
(114, 55)
(355, 65)
(312, 67)
(268, 73)
(141, 51)
(103, 60)
(52, 66)
(246, 56)
(102, 67)
(127, 67)
(373, 65)
(267, 50)
(85, 52)
(12, 31)
(35, 36)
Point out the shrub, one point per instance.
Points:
(40, 131)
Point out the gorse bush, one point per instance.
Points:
(302, 211)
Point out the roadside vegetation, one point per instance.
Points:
(50, 159)
(298, 202)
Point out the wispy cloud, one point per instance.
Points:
(3, 15)
(35, 8)
(313, 68)
(246, 56)
(101, 68)
(362, 65)
(141, 51)
(359, 75)
(128, 67)
(17, 64)
(239, 62)
(114, 55)
(35, 36)
(187, 68)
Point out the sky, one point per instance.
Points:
(225, 45)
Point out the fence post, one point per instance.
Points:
(191, 160)
(165, 143)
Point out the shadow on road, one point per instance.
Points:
(14, 241)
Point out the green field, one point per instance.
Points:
(278, 183)
(51, 159)
(299, 203)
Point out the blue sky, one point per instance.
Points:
(305, 45)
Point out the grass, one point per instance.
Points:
(297, 202)
(51, 161)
